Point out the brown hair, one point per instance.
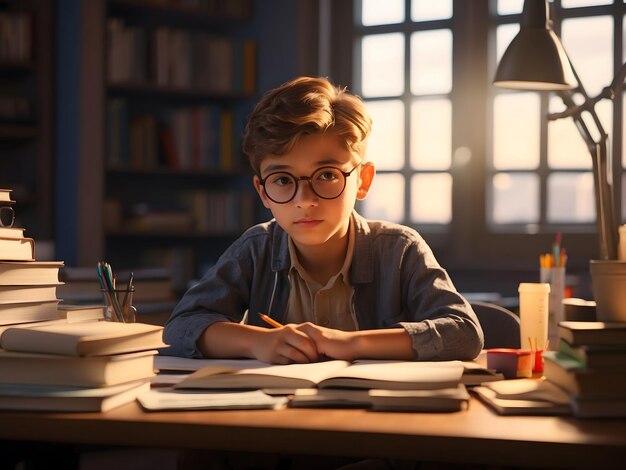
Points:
(302, 106)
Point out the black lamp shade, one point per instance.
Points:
(535, 59)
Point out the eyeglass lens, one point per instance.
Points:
(7, 216)
(327, 183)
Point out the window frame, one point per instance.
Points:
(470, 243)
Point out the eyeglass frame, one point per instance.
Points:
(12, 212)
(345, 174)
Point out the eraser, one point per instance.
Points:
(512, 363)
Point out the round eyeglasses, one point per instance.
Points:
(326, 182)
(7, 216)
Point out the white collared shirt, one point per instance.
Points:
(328, 305)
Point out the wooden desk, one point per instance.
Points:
(474, 436)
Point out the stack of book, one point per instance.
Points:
(590, 366)
(82, 366)
(375, 385)
(28, 288)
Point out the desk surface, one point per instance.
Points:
(476, 435)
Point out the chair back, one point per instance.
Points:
(500, 326)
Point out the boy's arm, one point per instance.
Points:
(392, 343)
(277, 346)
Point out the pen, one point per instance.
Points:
(270, 321)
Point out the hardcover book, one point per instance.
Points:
(17, 249)
(94, 371)
(582, 382)
(598, 356)
(29, 273)
(53, 398)
(579, 333)
(26, 294)
(96, 338)
(13, 313)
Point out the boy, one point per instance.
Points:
(344, 287)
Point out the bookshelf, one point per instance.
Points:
(180, 79)
(27, 111)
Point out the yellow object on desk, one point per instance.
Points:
(270, 321)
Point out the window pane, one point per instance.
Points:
(386, 200)
(431, 62)
(376, 12)
(589, 45)
(504, 36)
(386, 143)
(516, 131)
(427, 10)
(583, 3)
(515, 198)
(571, 198)
(431, 198)
(431, 134)
(566, 146)
(382, 52)
(510, 7)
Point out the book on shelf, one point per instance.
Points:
(93, 371)
(61, 398)
(28, 294)
(393, 375)
(96, 338)
(17, 249)
(29, 273)
(12, 313)
(524, 397)
(74, 313)
(586, 333)
(16, 233)
(81, 285)
(583, 382)
(596, 356)
(436, 400)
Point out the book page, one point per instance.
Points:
(170, 399)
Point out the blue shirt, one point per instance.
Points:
(397, 282)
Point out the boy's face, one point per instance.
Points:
(308, 218)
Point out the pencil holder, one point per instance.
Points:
(119, 305)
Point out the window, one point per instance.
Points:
(480, 171)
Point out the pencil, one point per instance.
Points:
(270, 321)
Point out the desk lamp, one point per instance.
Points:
(536, 60)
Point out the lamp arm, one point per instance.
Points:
(601, 163)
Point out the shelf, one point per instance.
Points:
(184, 15)
(164, 235)
(16, 66)
(179, 179)
(10, 132)
(147, 90)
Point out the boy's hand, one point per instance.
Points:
(334, 344)
(392, 343)
(284, 345)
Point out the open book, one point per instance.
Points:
(390, 375)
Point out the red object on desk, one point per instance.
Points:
(512, 363)
(538, 360)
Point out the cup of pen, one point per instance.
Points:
(119, 305)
